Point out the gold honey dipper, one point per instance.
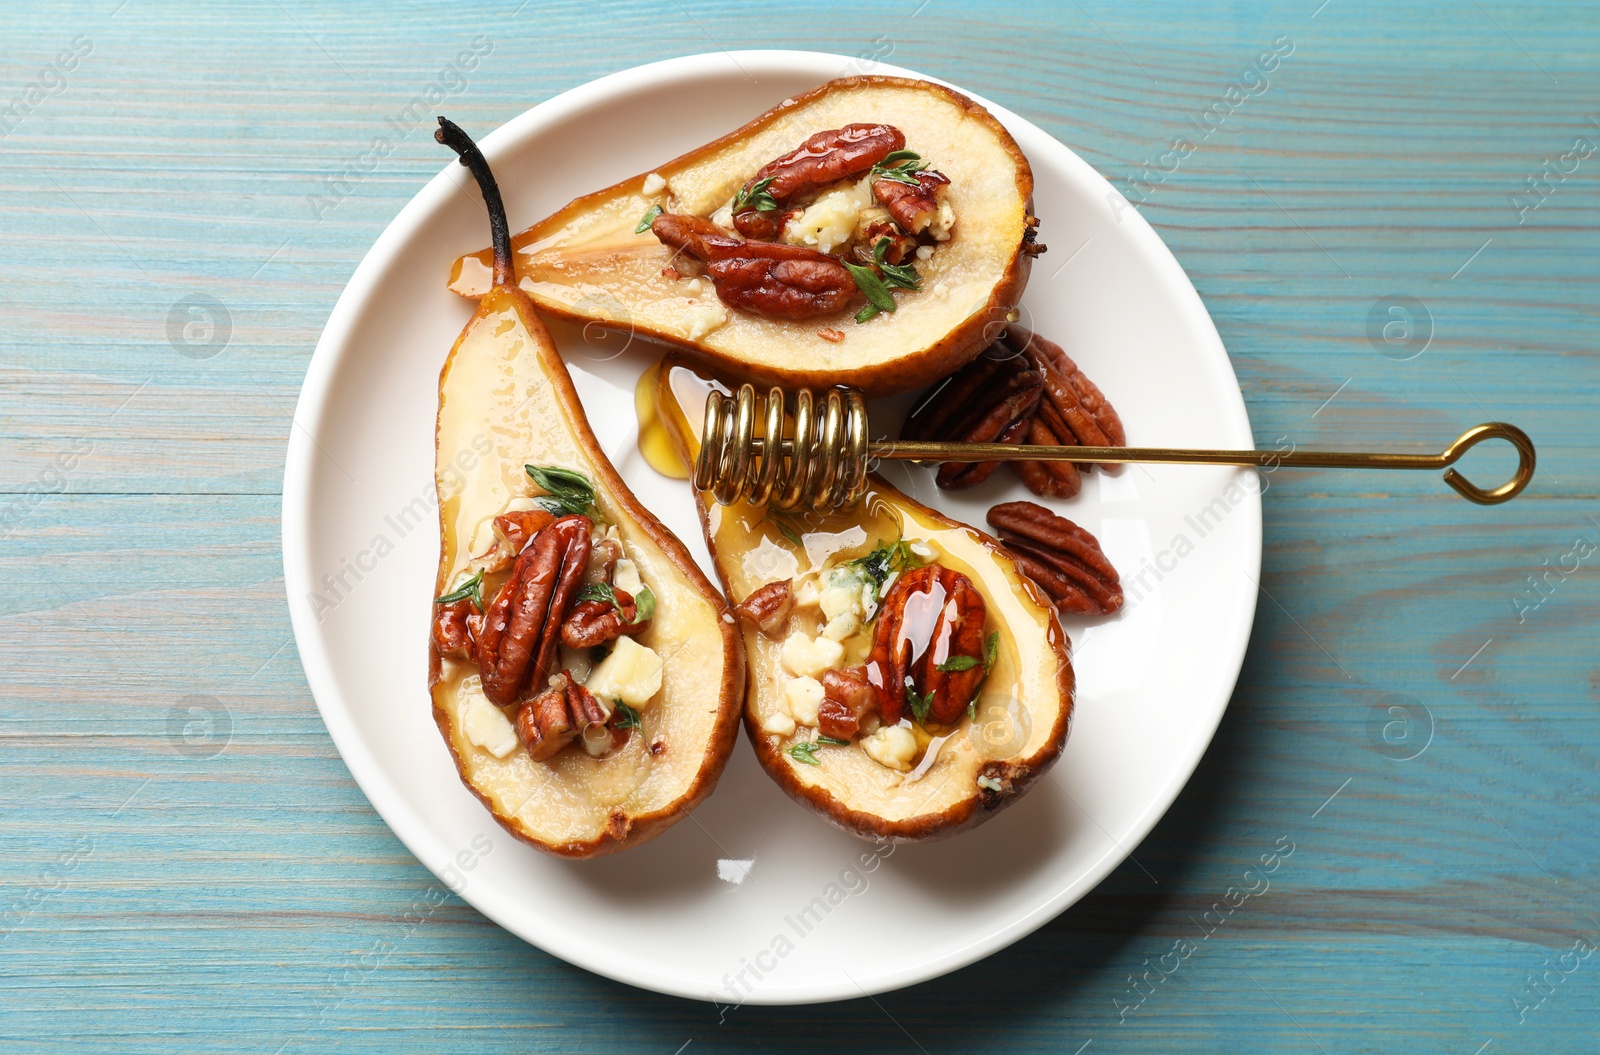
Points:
(822, 463)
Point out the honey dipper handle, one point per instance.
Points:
(984, 452)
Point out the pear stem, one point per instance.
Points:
(451, 135)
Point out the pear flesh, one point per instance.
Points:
(591, 263)
(962, 774)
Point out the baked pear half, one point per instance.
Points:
(905, 679)
(584, 672)
(868, 232)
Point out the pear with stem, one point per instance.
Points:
(602, 259)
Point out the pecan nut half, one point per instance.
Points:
(913, 208)
(558, 715)
(768, 608)
(848, 696)
(779, 281)
(826, 157)
(695, 236)
(603, 557)
(516, 530)
(1074, 407)
(1063, 559)
(512, 532)
(901, 248)
(970, 406)
(782, 281)
(592, 623)
(1051, 479)
(455, 628)
(517, 645)
(931, 615)
(987, 401)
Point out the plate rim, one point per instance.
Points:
(312, 403)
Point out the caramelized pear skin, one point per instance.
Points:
(506, 401)
(597, 261)
(989, 757)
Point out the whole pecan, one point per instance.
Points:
(554, 718)
(453, 628)
(987, 401)
(913, 208)
(779, 281)
(768, 607)
(1062, 558)
(517, 644)
(847, 698)
(591, 623)
(931, 615)
(824, 158)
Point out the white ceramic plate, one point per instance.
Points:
(753, 898)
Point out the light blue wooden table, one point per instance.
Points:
(1397, 237)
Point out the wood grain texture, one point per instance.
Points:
(250, 900)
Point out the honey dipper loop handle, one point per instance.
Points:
(823, 464)
(1527, 460)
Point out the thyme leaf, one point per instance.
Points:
(886, 558)
(919, 703)
(875, 282)
(567, 492)
(644, 606)
(900, 166)
(781, 522)
(900, 276)
(644, 603)
(805, 752)
(755, 197)
(991, 652)
(871, 287)
(472, 588)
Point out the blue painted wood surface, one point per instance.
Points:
(250, 900)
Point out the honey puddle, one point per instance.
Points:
(655, 443)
